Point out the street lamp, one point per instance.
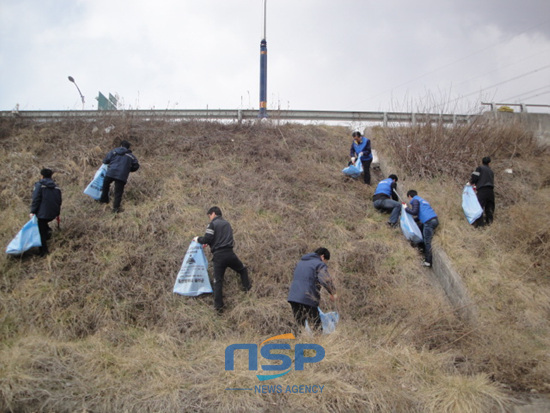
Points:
(71, 79)
(263, 72)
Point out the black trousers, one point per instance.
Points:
(45, 233)
(486, 198)
(119, 190)
(221, 260)
(366, 171)
(304, 312)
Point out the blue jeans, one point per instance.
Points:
(428, 229)
(389, 205)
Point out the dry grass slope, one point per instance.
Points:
(95, 326)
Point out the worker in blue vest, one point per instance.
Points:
(385, 199)
(427, 222)
(360, 148)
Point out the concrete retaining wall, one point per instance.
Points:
(444, 273)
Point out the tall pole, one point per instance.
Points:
(263, 71)
(71, 79)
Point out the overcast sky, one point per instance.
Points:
(393, 55)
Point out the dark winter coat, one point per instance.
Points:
(483, 177)
(219, 235)
(46, 199)
(121, 162)
(310, 274)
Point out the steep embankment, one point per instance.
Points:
(95, 325)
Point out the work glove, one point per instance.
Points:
(196, 239)
(353, 159)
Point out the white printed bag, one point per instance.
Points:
(470, 204)
(192, 279)
(95, 187)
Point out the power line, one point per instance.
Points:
(456, 61)
(526, 93)
(493, 86)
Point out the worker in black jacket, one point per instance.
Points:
(484, 180)
(120, 163)
(219, 236)
(46, 205)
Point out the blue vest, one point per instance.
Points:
(384, 187)
(358, 148)
(425, 211)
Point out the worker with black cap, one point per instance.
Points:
(120, 163)
(46, 205)
(484, 180)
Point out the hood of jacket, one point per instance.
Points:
(122, 150)
(47, 182)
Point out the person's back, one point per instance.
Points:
(47, 199)
(305, 289)
(121, 162)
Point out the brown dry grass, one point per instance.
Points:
(95, 326)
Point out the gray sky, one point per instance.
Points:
(393, 55)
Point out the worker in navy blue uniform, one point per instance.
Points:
(46, 205)
(121, 161)
(385, 198)
(310, 274)
(360, 148)
(427, 222)
(219, 236)
(484, 180)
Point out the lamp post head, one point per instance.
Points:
(71, 79)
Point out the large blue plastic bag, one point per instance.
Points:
(409, 227)
(354, 170)
(95, 187)
(328, 321)
(470, 204)
(28, 237)
(192, 279)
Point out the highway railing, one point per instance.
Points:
(241, 115)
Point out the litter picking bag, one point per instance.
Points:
(95, 187)
(28, 237)
(328, 321)
(192, 280)
(354, 170)
(409, 227)
(470, 204)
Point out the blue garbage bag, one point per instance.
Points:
(409, 227)
(95, 187)
(470, 204)
(27, 238)
(328, 321)
(192, 279)
(354, 170)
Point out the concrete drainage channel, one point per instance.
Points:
(443, 274)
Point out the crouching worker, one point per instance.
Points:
(310, 274)
(46, 205)
(385, 199)
(219, 236)
(428, 222)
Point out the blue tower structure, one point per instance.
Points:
(263, 72)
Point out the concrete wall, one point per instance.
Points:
(443, 271)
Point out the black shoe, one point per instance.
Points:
(219, 311)
(117, 210)
(392, 224)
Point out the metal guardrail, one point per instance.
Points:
(240, 115)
